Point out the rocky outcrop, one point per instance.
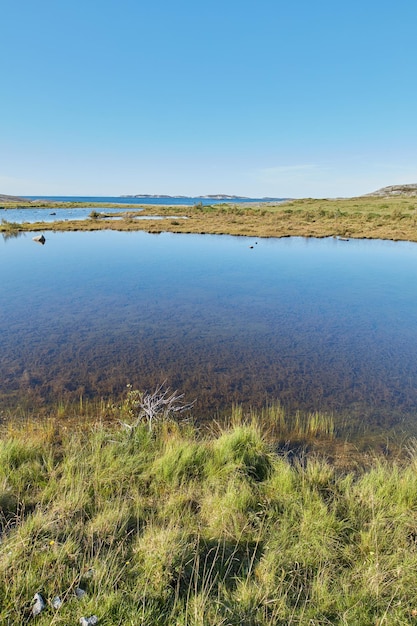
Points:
(5, 198)
(396, 190)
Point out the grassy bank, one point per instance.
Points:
(174, 525)
(365, 217)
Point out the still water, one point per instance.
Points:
(31, 215)
(316, 324)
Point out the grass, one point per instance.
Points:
(9, 229)
(393, 218)
(214, 526)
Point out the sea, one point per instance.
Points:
(171, 200)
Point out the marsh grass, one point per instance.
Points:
(393, 218)
(9, 229)
(190, 526)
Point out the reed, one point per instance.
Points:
(280, 425)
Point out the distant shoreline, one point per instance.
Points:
(219, 196)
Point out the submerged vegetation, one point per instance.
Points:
(178, 525)
(392, 217)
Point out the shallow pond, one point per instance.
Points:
(317, 324)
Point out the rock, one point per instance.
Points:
(57, 602)
(409, 191)
(39, 239)
(89, 621)
(39, 605)
(80, 593)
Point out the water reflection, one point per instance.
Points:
(11, 234)
(31, 215)
(318, 324)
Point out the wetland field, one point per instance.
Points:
(284, 492)
(372, 217)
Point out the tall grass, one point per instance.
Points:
(179, 526)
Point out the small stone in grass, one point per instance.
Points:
(57, 602)
(89, 621)
(39, 604)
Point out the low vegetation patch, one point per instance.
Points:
(169, 524)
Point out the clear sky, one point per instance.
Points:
(250, 97)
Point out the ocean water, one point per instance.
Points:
(189, 201)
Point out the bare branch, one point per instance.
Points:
(162, 404)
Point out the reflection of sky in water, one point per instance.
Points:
(320, 324)
(32, 215)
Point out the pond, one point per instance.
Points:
(317, 324)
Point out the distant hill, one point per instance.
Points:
(396, 190)
(5, 198)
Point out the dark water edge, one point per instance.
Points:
(317, 326)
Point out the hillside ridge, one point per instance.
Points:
(7, 198)
(409, 190)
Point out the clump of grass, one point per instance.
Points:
(280, 425)
(9, 228)
(241, 450)
(182, 461)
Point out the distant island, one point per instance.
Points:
(217, 196)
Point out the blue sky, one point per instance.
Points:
(256, 98)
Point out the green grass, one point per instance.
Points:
(189, 526)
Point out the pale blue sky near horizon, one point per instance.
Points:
(265, 98)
